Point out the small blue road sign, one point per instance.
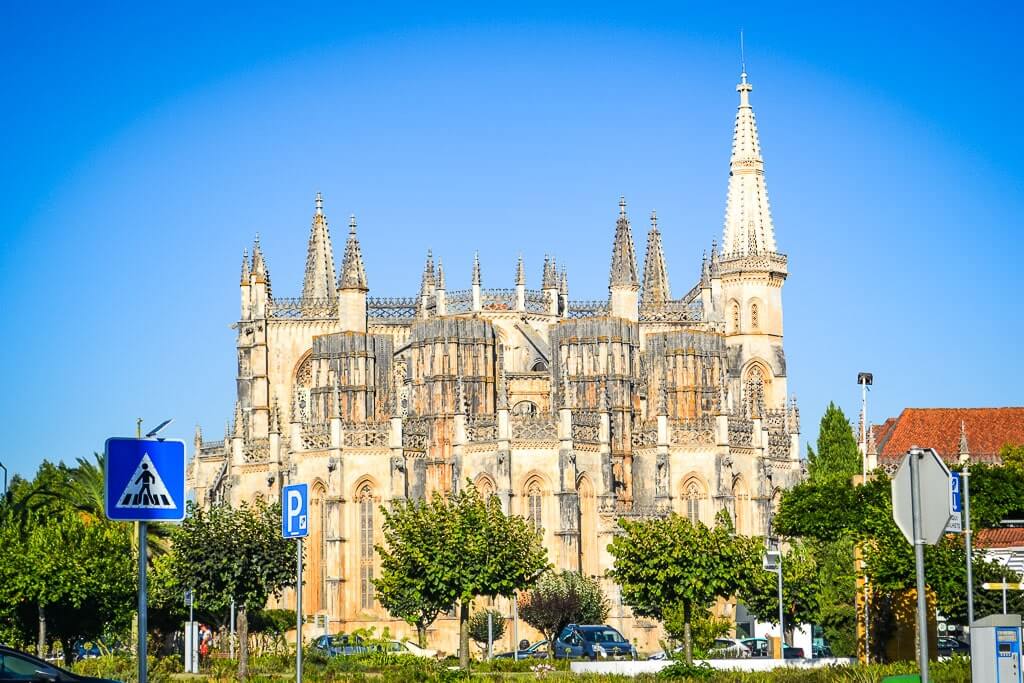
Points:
(145, 480)
(957, 501)
(295, 511)
(956, 504)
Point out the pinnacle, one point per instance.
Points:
(353, 273)
(520, 272)
(623, 269)
(476, 268)
(318, 281)
(656, 288)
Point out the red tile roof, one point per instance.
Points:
(988, 430)
(999, 538)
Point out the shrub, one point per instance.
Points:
(478, 626)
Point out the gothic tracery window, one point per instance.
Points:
(735, 317)
(365, 502)
(525, 408)
(755, 391)
(755, 322)
(693, 496)
(534, 505)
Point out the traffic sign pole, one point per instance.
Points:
(922, 602)
(298, 611)
(966, 478)
(143, 552)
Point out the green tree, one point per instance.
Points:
(800, 588)
(672, 563)
(997, 493)
(837, 455)
(705, 627)
(233, 552)
(1012, 456)
(478, 626)
(561, 598)
(473, 550)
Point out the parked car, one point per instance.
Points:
(405, 647)
(949, 646)
(21, 666)
(592, 641)
(340, 645)
(538, 650)
(728, 648)
(758, 647)
(819, 650)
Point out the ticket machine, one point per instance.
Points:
(996, 649)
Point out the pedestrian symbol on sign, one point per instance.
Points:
(145, 488)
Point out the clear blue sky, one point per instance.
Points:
(143, 146)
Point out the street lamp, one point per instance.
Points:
(4, 468)
(864, 379)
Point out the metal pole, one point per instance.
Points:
(490, 634)
(867, 621)
(965, 477)
(231, 638)
(515, 627)
(4, 468)
(298, 612)
(1004, 595)
(864, 430)
(142, 602)
(782, 625)
(193, 646)
(922, 601)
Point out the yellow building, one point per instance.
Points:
(573, 413)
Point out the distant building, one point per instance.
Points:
(573, 413)
(944, 429)
(1004, 545)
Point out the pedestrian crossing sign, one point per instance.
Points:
(145, 480)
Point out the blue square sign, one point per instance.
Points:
(145, 480)
(295, 511)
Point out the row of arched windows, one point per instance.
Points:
(735, 317)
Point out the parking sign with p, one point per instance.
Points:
(295, 511)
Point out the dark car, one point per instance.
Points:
(538, 650)
(949, 647)
(340, 645)
(20, 666)
(592, 641)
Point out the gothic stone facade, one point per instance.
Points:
(573, 413)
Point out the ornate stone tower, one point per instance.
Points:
(752, 273)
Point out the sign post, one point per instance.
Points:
(144, 481)
(921, 508)
(294, 524)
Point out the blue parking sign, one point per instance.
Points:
(144, 480)
(295, 511)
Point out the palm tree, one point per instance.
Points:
(87, 495)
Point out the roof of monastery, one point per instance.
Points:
(980, 432)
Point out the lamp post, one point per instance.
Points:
(4, 468)
(864, 379)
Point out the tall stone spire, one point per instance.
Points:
(440, 284)
(353, 273)
(549, 279)
(245, 266)
(748, 218)
(476, 268)
(427, 284)
(965, 452)
(656, 288)
(520, 272)
(623, 271)
(318, 282)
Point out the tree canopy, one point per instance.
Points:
(224, 553)
(671, 562)
(837, 455)
(454, 549)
